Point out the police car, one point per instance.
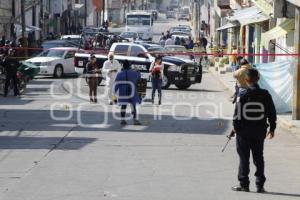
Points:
(178, 71)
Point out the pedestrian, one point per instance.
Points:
(162, 36)
(126, 90)
(182, 42)
(110, 69)
(234, 59)
(204, 42)
(156, 71)
(177, 41)
(169, 41)
(190, 44)
(254, 108)
(11, 65)
(162, 41)
(240, 76)
(93, 73)
(168, 35)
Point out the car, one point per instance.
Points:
(185, 27)
(58, 43)
(183, 16)
(180, 29)
(71, 38)
(180, 35)
(171, 14)
(130, 35)
(55, 62)
(179, 51)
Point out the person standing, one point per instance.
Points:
(169, 41)
(110, 69)
(126, 90)
(93, 73)
(11, 65)
(156, 71)
(240, 75)
(254, 113)
(190, 44)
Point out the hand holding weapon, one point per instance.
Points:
(231, 135)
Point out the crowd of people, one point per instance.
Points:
(122, 82)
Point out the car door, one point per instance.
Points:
(69, 61)
(140, 60)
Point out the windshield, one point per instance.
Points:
(155, 49)
(52, 53)
(176, 49)
(129, 35)
(138, 20)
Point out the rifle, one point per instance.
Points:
(231, 135)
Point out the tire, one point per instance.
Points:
(184, 86)
(165, 83)
(58, 71)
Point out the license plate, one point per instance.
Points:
(192, 79)
(80, 63)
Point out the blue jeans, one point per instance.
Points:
(156, 85)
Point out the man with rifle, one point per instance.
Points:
(254, 113)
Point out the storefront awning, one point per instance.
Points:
(281, 30)
(249, 16)
(228, 25)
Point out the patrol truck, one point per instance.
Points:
(178, 71)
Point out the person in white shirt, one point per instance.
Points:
(169, 41)
(110, 69)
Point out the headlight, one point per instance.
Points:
(174, 68)
(47, 63)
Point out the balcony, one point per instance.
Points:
(223, 4)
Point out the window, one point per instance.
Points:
(121, 49)
(70, 54)
(137, 52)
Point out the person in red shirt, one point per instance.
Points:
(156, 71)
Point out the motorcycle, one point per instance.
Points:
(26, 72)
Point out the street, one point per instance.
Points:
(55, 145)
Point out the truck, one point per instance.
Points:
(181, 72)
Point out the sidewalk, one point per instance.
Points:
(284, 120)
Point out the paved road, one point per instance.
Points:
(42, 158)
(177, 156)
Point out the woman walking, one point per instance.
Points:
(126, 90)
(93, 71)
(156, 70)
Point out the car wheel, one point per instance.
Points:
(165, 82)
(184, 86)
(58, 71)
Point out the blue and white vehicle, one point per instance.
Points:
(140, 22)
(178, 71)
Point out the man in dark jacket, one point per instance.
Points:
(11, 65)
(254, 113)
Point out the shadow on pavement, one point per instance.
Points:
(43, 120)
(57, 143)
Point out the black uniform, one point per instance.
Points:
(93, 72)
(254, 113)
(11, 66)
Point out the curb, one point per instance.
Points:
(281, 121)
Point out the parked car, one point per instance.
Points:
(58, 43)
(130, 35)
(181, 72)
(72, 38)
(180, 35)
(171, 14)
(179, 51)
(181, 29)
(55, 62)
(183, 16)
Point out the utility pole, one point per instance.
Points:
(41, 24)
(23, 22)
(85, 12)
(103, 12)
(296, 88)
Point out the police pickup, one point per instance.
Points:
(181, 72)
